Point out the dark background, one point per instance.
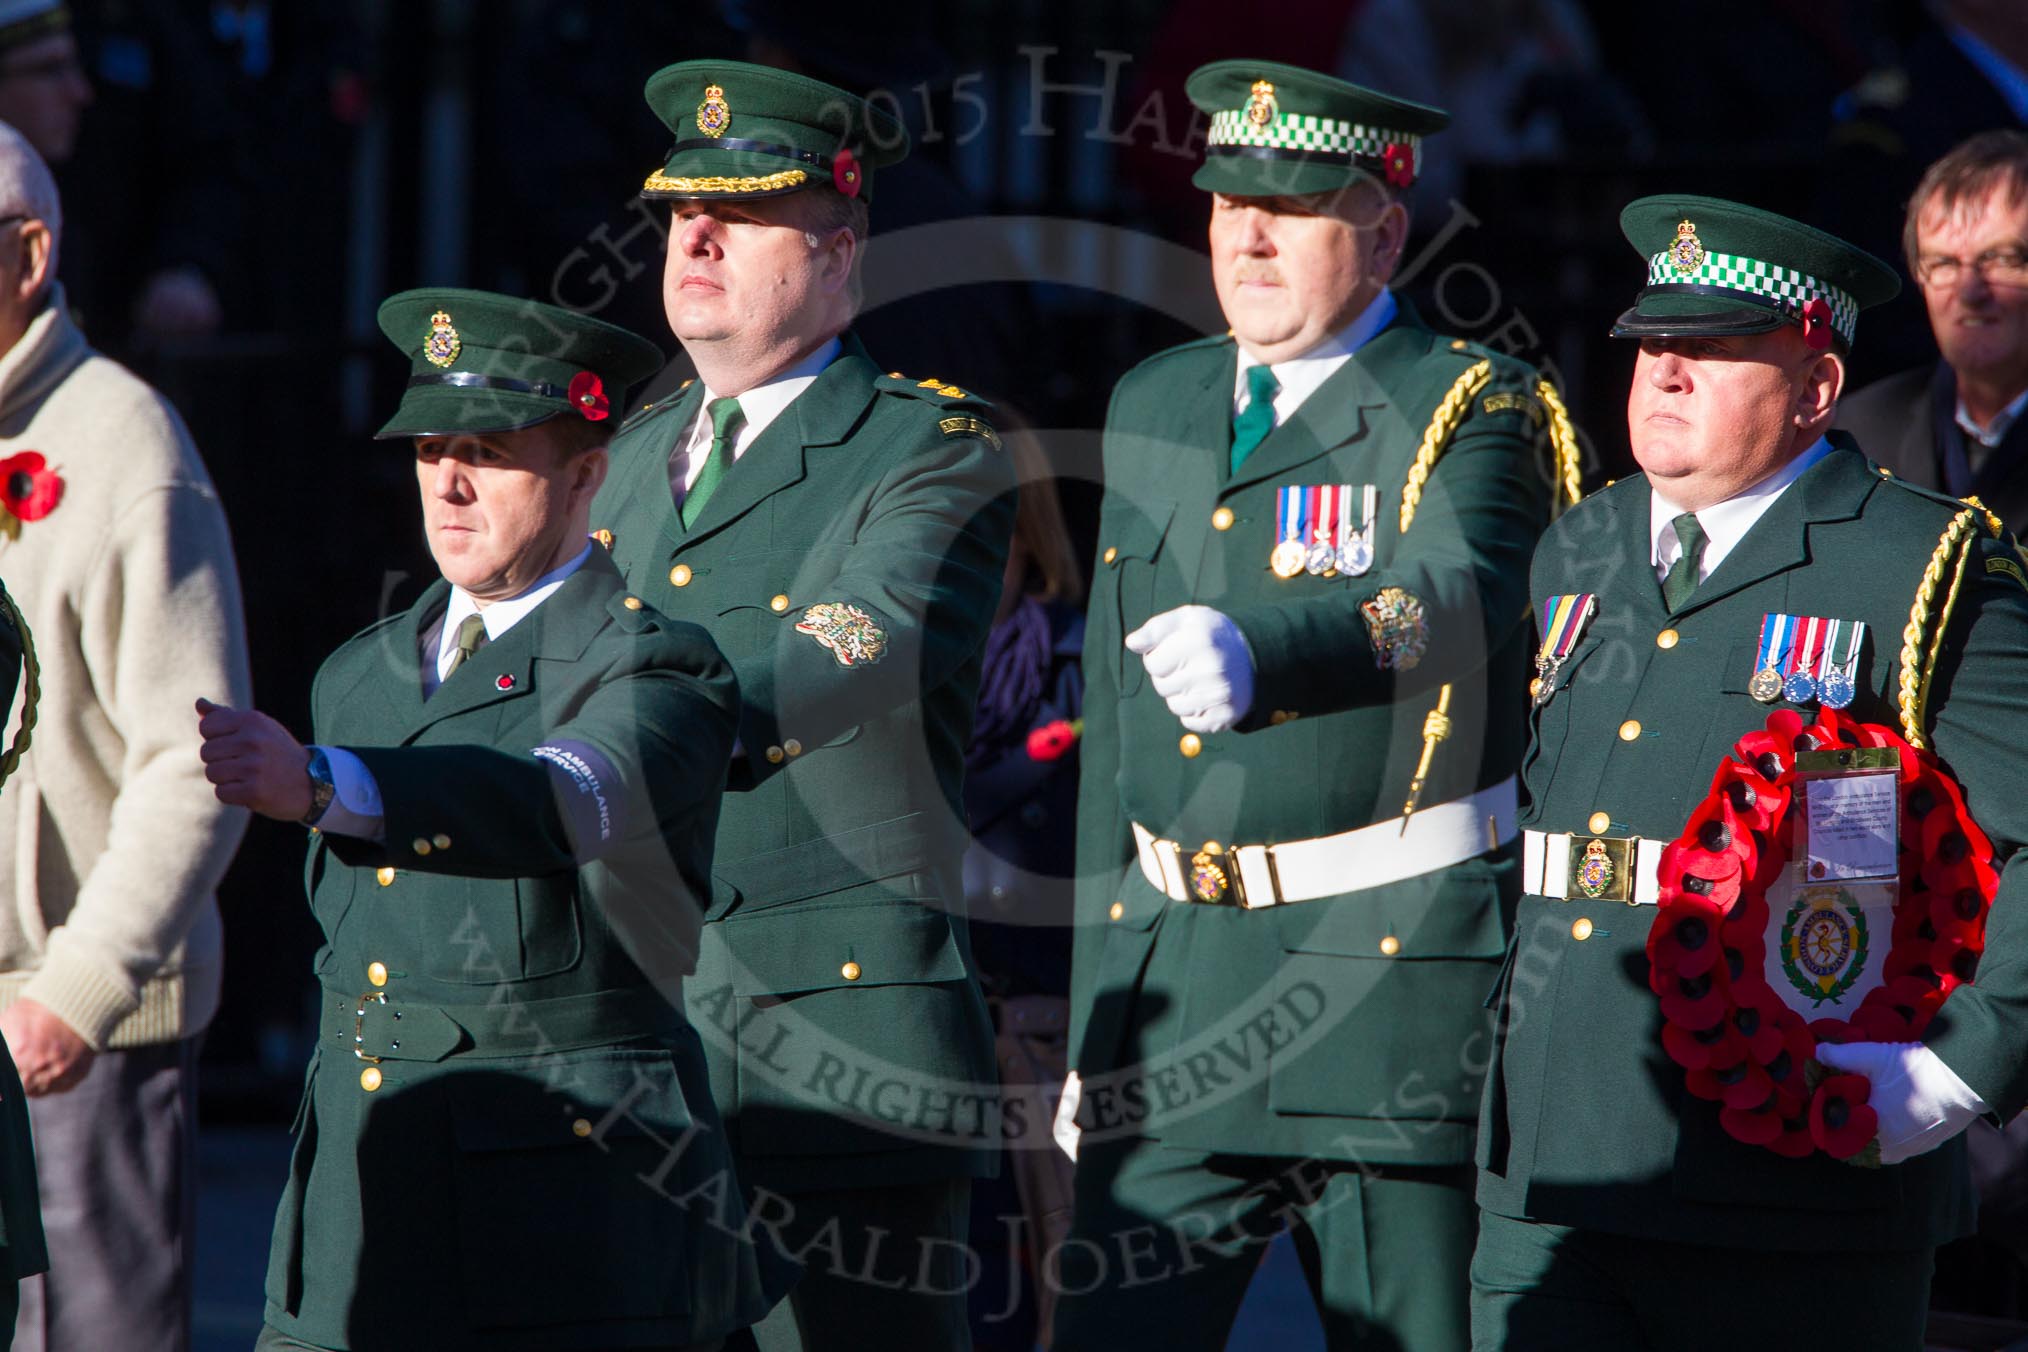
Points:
(311, 159)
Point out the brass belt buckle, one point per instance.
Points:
(1214, 876)
(359, 1023)
(1604, 872)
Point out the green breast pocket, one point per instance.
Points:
(1127, 564)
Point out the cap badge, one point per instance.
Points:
(1686, 255)
(1261, 107)
(713, 115)
(441, 348)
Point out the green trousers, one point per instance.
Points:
(1548, 1288)
(882, 1267)
(1165, 1241)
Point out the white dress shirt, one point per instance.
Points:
(761, 405)
(1984, 439)
(1725, 523)
(1299, 377)
(356, 808)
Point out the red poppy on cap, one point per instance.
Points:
(587, 395)
(1817, 324)
(845, 173)
(1399, 160)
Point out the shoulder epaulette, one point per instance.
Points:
(931, 390)
(650, 409)
(1987, 517)
(1215, 340)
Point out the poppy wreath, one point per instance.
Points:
(1739, 1045)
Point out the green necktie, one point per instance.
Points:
(471, 638)
(1257, 419)
(726, 417)
(1682, 577)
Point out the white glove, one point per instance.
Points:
(1921, 1101)
(1199, 664)
(1065, 1129)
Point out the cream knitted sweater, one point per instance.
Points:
(111, 843)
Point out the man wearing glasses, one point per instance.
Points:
(1957, 425)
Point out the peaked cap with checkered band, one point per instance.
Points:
(1717, 267)
(1279, 130)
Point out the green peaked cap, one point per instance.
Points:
(483, 362)
(753, 131)
(1717, 267)
(1281, 130)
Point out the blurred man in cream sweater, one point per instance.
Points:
(113, 542)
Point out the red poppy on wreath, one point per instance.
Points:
(1743, 1039)
(28, 488)
(845, 173)
(1399, 160)
(1817, 324)
(1841, 1122)
(587, 394)
(1050, 741)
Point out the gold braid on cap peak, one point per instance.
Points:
(788, 178)
(1958, 542)
(1448, 415)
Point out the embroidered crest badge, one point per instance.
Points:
(714, 115)
(849, 632)
(1396, 625)
(1686, 255)
(443, 345)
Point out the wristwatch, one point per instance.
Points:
(322, 788)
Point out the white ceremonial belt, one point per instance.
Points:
(1256, 876)
(1563, 867)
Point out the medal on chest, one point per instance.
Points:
(1563, 622)
(1324, 530)
(1807, 658)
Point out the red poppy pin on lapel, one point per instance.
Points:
(29, 491)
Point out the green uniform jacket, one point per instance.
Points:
(22, 1252)
(1587, 1121)
(501, 1176)
(849, 1043)
(1290, 1031)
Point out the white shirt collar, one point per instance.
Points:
(761, 405)
(1300, 376)
(1725, 523)
(1993, 433)
(500, 616)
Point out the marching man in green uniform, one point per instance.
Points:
(1664, 1166)
(1296, 845)
(842, 533)
(507, 1139)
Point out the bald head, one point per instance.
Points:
(26, 186)
(31, 218)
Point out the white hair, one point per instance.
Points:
(28, 189)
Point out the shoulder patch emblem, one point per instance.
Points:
(2010, 568)
(970, 427)
(847, 631)
(1506, 401)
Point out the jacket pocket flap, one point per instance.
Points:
(885, 943)
(614, 1094)
(1456, 913)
